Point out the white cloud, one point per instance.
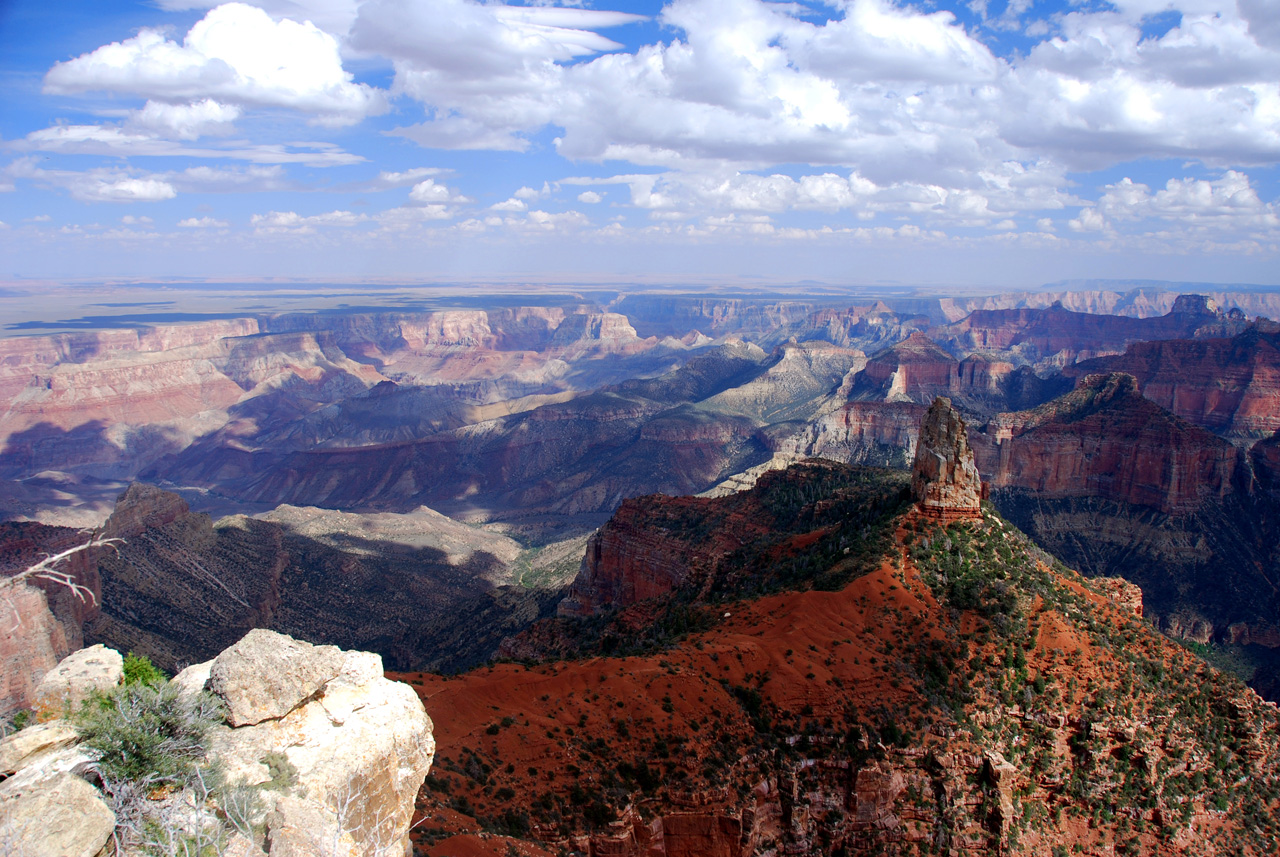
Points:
(185, 121)
(236, 54)
(131, 220)
(511, 204)
(1226, 203)
(202, 223)
(985, 196)
(430, 192)
(98, 185)
(292, 223)
(115, 141)
(387, 180)
(896, 93)
(590, 197)
(1090, 220)
(106, 189)
(529, 194)
(332, 16)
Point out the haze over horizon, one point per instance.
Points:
(859, 141)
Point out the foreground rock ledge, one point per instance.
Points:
(358, 748)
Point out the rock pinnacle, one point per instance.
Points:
(944, 479)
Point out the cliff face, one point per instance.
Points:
(1056, 336)
(43, 620)
(654, 546)
(418, 588)
(1229, 386)
(113, 405)
(1105, 440)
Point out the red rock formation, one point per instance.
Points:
(944, 480)
(641, 554)
(1057, 336)
(1229, 386)
(914, 370)
(1106, 440)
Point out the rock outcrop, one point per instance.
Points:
(332, 752)
(266, 675)
(1106, 440)
(1228, 386)
(360, 745)
(59, 816)
(944, 479)
(78, 675)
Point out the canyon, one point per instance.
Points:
(678, 575)
(535, 424)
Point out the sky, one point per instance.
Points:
(1009, 142)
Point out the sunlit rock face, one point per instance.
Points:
(944, 479)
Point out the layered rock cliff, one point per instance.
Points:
(418, 588)
(1058, 337)
(1106, 440)
(1229, 386)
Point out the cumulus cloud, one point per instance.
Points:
(236, 54)
(185, 121)
(987, 195)
(202, 223)
(1229, 202)
(430, 192)
(590, 197)
(98, 185)
(511, 204)
(897, 93)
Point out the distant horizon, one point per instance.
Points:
(97, 305)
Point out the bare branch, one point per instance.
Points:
(45, 570)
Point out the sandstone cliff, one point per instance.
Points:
(1229, 386)
(1106, 440)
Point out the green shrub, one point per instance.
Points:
(147, 734)
(138, 669)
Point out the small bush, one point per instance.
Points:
(138, 669)
(147, 734)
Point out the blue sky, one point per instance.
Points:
(859, 141)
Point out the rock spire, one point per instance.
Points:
(944, 479)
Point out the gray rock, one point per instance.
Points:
(303, 828)
(78, 675)
(193, 679)
(61, 817)
(20, 748)
(266, 675)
